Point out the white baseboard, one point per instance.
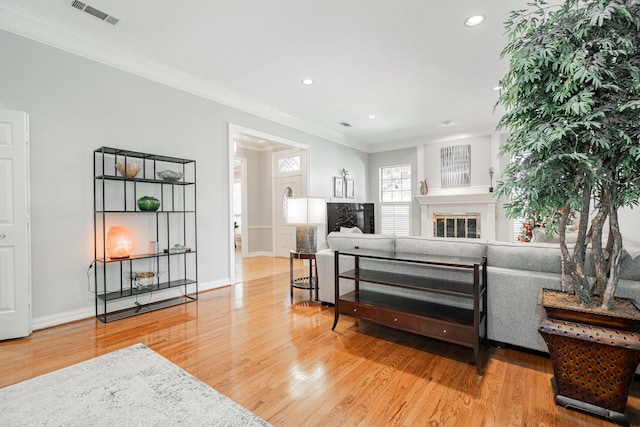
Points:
(262, 253)
(86, 312)
(64, 317)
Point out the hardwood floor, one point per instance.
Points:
(283, 362)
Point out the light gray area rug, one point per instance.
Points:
(134, 386)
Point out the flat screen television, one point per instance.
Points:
(349, 215)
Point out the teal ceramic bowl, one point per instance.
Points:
(148, 203)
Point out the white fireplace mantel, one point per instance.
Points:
(477, 202)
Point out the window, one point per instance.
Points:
(395, 199)
(289, 164)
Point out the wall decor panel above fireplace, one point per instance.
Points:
(455, 165)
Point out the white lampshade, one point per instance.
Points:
(306, 210)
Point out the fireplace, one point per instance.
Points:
(458, 225)
(460, 211)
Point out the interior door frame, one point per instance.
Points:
(234, 131)
(243, 205)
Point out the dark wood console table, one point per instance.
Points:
(467, 327)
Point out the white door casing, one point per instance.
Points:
(15, 239)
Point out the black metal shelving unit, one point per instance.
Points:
(119, 293)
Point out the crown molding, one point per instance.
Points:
(19, 21)
(430, 139)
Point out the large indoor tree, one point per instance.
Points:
(572, 101)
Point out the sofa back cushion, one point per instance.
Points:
(347, 241)
(543, 257)
(442, 246)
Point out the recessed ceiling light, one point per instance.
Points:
(371, 116)
(307, 82)
(474, 20)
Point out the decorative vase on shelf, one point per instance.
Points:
(424, 187)
(148, 203)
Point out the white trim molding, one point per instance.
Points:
(44, 322)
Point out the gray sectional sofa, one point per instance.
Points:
(515, 273)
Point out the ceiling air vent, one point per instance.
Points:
(345, 124)
(94, 12)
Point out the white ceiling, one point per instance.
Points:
(412, 63)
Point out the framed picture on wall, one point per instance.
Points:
(349, 188)
(338, 186)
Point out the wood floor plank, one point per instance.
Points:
(283, 362)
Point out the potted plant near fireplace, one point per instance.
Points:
(572, 101)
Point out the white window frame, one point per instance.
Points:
(400, 209)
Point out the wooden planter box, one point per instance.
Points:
(593, 364)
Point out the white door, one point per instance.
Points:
(289, 168)
(284, 188)
(15, 241)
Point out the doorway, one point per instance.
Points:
(259, 220)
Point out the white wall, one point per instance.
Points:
(77, 105)
(258, 218)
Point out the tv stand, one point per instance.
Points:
(463, 326)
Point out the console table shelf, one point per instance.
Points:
(463, 326)
(448, 287)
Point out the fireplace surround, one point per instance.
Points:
(458, 205)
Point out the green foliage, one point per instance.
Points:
(572, 96)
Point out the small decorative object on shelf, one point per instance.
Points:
(170, 176)
(148, 203)
(119, 242)
(130, 171)
(491, 179)
(424, 187)
(177, 249)
(144, 279)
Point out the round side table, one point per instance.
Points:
(309, 282)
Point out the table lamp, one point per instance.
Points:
(306, 213)
(119, 242)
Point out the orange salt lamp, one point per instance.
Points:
(119, 242)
